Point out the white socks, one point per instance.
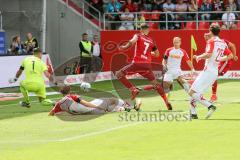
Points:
(193, 106)
(186, 87)
(198, 97)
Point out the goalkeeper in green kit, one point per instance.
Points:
(34, 69)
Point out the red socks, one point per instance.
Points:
(214, 87)
(148, 87)
(125, 82)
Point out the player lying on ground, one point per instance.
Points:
(172, 63)
(74, 104)
(34, 69)
(213, 55)
(145, 48)
(224, 66)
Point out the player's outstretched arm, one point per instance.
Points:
(155, 53)
(18, 74)
(189, 63)
(51, 113)
(226, 58)
(129, 43)
(202, 56)
(233, 49)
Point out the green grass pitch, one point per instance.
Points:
(29, 134)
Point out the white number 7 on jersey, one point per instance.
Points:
(146, 48)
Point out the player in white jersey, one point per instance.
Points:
(172, 62)
(213, 55)
(74, 104)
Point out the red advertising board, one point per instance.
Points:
(111, 39)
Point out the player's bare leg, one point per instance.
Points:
(161, 92)
(184, 83)
(214, 91)
(199, 97)
(122, 78)
(168, 87)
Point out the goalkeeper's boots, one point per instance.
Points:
(25, 104)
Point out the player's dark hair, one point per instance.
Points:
(84, 34)
(215, 29)
(65, 89)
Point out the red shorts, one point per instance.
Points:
(143, 69)
(224, 67)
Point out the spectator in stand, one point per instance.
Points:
(228, 19)
(16, 46)
(126, 17)
(180, 7)
(114, 7)
(147, 4)
(192, 7)
(139, 20)
(169, 7)
(218, 6)
(30, 43)
(232, 5)
(238, 4)
(206, 7)
(98, 4)
(96, 59)
(158, 5)
(85, 47)
(130, 6)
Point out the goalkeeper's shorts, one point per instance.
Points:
(36, 87)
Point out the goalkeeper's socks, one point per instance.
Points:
(148, 87)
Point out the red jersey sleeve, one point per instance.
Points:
(76, 98)
(185, 55)
(227, 51)
(210, 46)
(57, 108)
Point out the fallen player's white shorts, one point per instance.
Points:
(77, 108)
(171, 75)
(203, 81)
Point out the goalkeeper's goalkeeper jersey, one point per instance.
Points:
(34, 68)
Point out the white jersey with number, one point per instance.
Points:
(209, 75)
(175, 57)
(216, 46)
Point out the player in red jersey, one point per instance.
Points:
(145, 48)
(223, 66)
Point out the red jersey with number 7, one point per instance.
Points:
(143, 47)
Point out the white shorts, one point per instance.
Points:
(203, 81)
(77, 108)
(171, 75)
